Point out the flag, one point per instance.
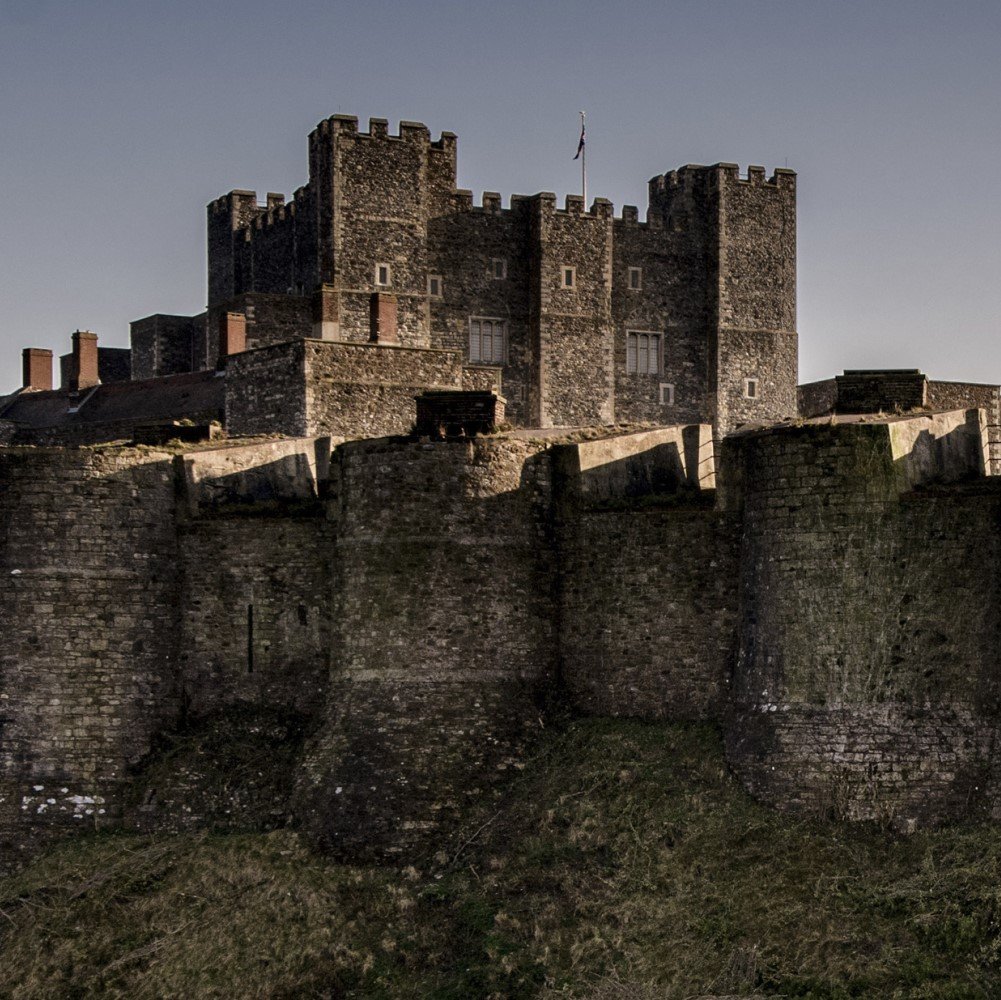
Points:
(580, 145)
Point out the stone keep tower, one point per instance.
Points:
(687, 316)
(736, 240)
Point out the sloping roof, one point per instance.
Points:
(193, 395)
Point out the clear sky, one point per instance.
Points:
(120, 119)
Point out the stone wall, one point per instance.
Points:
(865, 685)
(955, 395)
(831, 601)
(260, 248)
(462, 245)
(887, 391)
(573, 378)
(893, 391)
(648, 575)
(271, 319)
(164, 345)
(672, 249)
(648, 610)
(815, 399)
(89, 616)
(315, 387)
(255, 550)
(255, 611)
(266, 391)
(447, 645)
(368, 390)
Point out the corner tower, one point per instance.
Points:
(746, 229)
(373, 195)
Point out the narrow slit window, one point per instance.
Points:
(434, 286)
(666, 394)
(751, 389)
(635, 279)
(498, 268)
(250, 638)
(568, 277)
(383, 275)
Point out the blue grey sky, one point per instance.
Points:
(120, 119)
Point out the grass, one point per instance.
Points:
(626, 865)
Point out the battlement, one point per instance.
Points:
(631, 218)
(276, 212)
(491, 203)
(686, 178)
(378, 128)
(236, 200)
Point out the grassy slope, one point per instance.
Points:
(627, 864)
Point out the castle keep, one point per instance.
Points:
(297, 513)
(380, 278)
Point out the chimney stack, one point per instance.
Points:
(37, 367)
(232, 335)
(83, 364)
(382, 319)
(325, 313)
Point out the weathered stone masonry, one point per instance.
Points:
(866, 683)
(88, 612)
(830, 597)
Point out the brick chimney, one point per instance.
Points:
(325, 325)
(382, 319)
(232, 334)
(83, 363)
(37, 366)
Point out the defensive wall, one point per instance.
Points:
(900, 390)
(866, 681)
(827, 592)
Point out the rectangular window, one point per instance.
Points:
(498, 268)
(434, 286)
(751, 388)
(568, 277)
(635, 278)
(666, 394)
(383, 275)
(643, 353)
(487, 341)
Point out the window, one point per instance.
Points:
(643, 353)
(487, 341)
(666, 394)
(434, 286)
(498, 268)
(568, 277)
(635, 279)
(383, 275)
(751, 388)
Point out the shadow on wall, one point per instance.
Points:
(277, 475)
(939, 447)
(660, 462)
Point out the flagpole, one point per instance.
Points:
(583, 164)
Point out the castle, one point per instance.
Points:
(380, 278)
(246, 511)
